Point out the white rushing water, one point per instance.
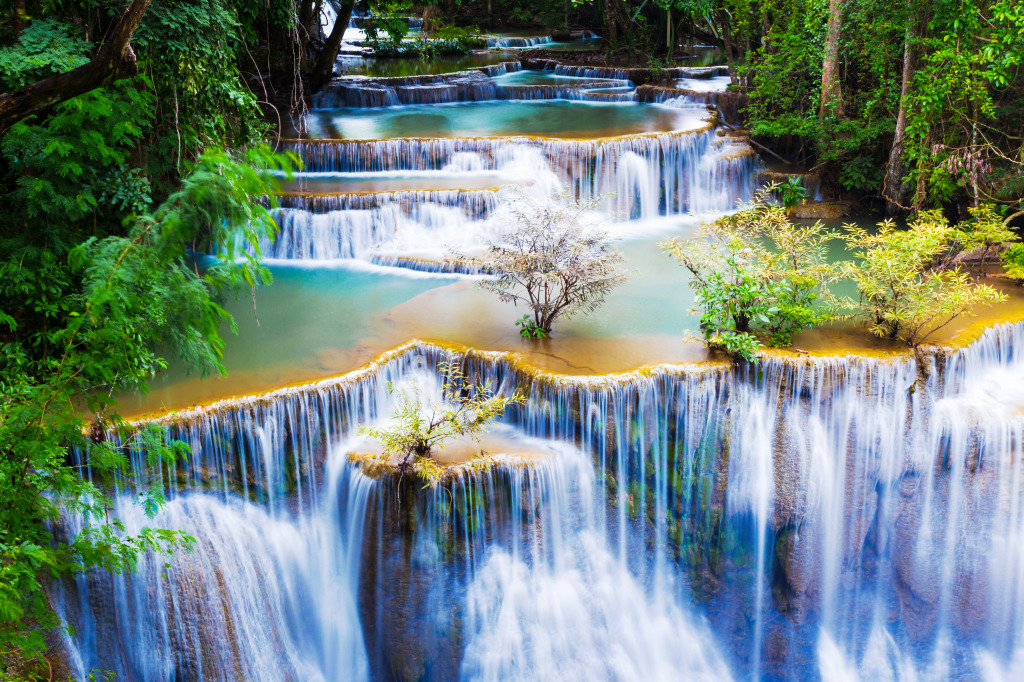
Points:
(639, 176)
(839, 519)
(820, 518)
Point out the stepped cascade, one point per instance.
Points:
(728, 521)
(644, 160)
(505, 340)
(833, 518)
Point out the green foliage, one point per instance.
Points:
(984, 231)
(111, 198)
(449, 39)
(189, 51)
(901, 296)
(964, 101)
(758, 277)
(792, 192)
(81, 321)
(528, 328)
(962, 106)
(419, 427)
(387, 28)
(656, 67)
(742, 345)
(69, 164)
(1013, 262)
(44, 48)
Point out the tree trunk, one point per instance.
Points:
(831, 94)
(668, 33)
(324, 67)
(610, 23)
(114, 60)
(892, 188)
(19, 23)
(727, 40)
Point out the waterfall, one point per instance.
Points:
(685, 176)
(495, 70)
(731, 106)
(476, 204)
(262, 597)
(462, 86)
(816, 517)
(352, 233)
(505, 43)
(639, 177)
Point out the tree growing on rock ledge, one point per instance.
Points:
(552, 262)
(419, 426)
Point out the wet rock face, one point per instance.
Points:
(461, 86)
(418, 550)
(825, 210)
(395, 595)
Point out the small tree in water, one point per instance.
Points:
(759, 278)
(420, 426)
(552, 262)
(904, 292)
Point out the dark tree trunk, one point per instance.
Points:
(114, 60)
(892, 188)
(831, 93)
(727, 40)
(616, 21)
(18, 24)
(324, 67)
(611, 32)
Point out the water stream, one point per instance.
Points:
(820, 518)
(833, 518)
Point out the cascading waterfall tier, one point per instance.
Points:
(647, 174)
(461, 86)
(495, 70)
(475, 203)
(640, 176)
(827, 518)
(631, 74)
(513, 42)
(361, 226)
(340, 226)
(731, 106)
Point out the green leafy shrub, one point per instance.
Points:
(901, 295)
(81, 321)
(984, 231)
(1013, 262)
(760, 278)
(419, 427)
(528, 328)
(792, 192)
(44, 48)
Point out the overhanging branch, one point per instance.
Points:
(114, 60)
